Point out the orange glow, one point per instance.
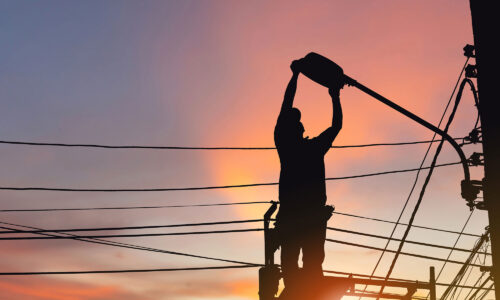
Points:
(59, 291)
(217, 72)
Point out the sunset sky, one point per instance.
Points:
(213, 73)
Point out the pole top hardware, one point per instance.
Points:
(469, 51)
(474, 136)
(476, 159)
(471, 71)
(470, 190)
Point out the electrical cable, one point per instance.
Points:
(404, 224)
(467, 279)
(227, 204)
(454, 245)
(426, 182)
(481, 286)
(210, 187)
(134, 207)
(393, 251)
(395, 239)
(131, 246)
(66, 230)
(125, 271)
(199, 148)
(463, 269)
(486, 292)
(482, 274)
(133, 227)
(418, 172)
(164, 251)
(127, 235)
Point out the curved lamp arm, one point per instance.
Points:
(444, 135)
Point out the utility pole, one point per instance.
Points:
(485, 21)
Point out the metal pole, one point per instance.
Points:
(485, 20)
(432, 283)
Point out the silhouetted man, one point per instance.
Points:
(302, 217)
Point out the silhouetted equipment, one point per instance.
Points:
(476, 159)
(484, 22)
(471, 71)
(329, 287)
(469, 51)
(322, 70)
(474, 136)
(319, 68)
(325, 72)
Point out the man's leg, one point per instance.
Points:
(313, 250)
(290, 250)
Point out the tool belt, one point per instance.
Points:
(290, 217)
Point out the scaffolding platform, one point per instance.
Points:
(327, 287)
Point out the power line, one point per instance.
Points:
(481, 286)
(228, 204)
(395, 239)
(65, 230)
(199, 148)
(221, 231)
(128, 235)
(134, 207)
(418, 172)
(404, 224)
(465, 266)
(124, 271)
(133, 227)
(467, 279)
(454, 245)
(132, 246)
(189, 269)
(124, 245)
(486, 292)
(393, 251)
(427, 179)
(209, 187)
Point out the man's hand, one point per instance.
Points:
(295, 66)
(334, 93)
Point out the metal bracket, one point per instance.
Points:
(474, 136)
(476, 159)
(469, 51)
(471, 71)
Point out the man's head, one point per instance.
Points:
(295, 126)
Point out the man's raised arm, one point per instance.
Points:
(326, 138)
(290, 89)
(337, 111)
